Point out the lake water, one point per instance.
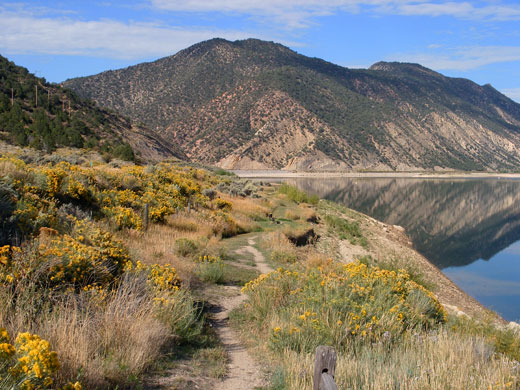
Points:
(468, 228)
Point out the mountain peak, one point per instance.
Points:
(404, 67)
(259, 104)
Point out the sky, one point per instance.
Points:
(478, 40)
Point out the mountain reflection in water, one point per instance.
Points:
(451, 222)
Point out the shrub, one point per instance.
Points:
(346, 229)
(225, 225)
(185, 247)
(124, 152)
(351, 306)
(223, 204)
(29, 363)
(210, 269)
(178, 310)
(283, 257)
(210, 193)
(297, 195)
(223, 172)
(88, 256)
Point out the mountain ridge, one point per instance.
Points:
(256, 104)
(45, 116)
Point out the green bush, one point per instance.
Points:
(210, 269)
(346, 229)
(178, 310)
(280, 256)
(297, 195)
(124, 152)
(185, 247)
(223, 172)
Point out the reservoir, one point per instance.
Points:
(469, 228)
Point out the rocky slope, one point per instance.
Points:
(46, 116)
(254, 104)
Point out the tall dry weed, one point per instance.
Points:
(109, 343)
(437, 361)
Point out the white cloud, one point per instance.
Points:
(514, 94)
(25, 33)
(463, 10)
(465, 58)
(296, 13)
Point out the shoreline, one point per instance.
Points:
(259, 174)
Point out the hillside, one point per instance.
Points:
(441, 219)
(255, 104)
(92, 284)
(46, 116)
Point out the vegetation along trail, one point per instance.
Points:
(242, 373)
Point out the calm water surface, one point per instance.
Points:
(470, 229)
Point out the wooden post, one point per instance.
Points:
(145, 217)
(324, 369)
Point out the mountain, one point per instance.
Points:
(46, 116)
(255, 104)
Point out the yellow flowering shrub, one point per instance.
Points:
(35, 360)
(353, 304)
(86, 256)
(159, 277)
(223, 204)
(123, 217)
(117, 194)
(57, 211)
(7, 276)
(29, 363)
(6, 350)
(174, 306)
(225, 224)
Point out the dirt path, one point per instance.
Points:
(243, 373)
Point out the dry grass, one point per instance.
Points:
(244, 223)
(117, 341)
(98, 342)
(157, 245)
(292, 214)
(251, 208)
(186, 223)
(8, 168)
(303, 212)
(436, 361)
(277, 241)
(280, 248)
(315, 259)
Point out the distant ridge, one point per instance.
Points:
(253, 104)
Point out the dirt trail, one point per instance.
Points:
(243, 373)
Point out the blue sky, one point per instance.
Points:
(479, 40)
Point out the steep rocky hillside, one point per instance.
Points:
(255, 104)
(46, 116)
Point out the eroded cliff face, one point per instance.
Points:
(450, 222)
(255, 105)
